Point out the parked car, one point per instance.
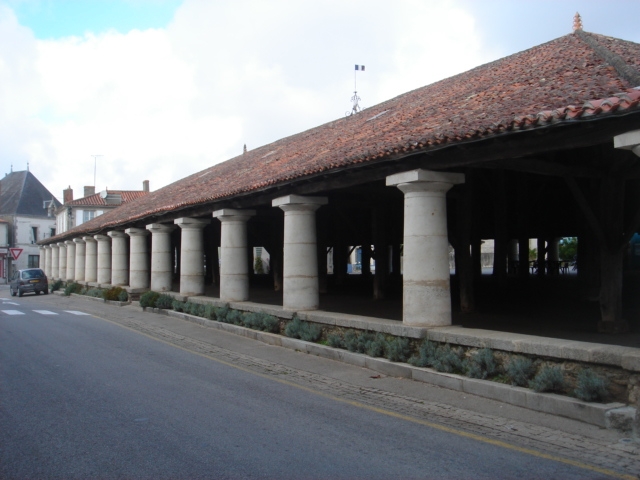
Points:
(29, 280)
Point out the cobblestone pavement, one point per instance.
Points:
(618, 457)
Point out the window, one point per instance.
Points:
(34, 234)
(88, 215)
(34, 261)
(52, 233)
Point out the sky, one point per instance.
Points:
(134, 90)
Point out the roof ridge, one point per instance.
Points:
(626, 71)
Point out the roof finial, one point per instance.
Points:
(577, 22)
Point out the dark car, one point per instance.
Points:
(29, 280)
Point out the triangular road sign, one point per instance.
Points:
(15, 252)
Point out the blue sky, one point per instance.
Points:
(53, 19)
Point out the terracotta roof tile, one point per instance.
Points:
(564, 80)
(97, 200)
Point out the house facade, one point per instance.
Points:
(25, 206)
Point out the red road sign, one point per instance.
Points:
(15, 252)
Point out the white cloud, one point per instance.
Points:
(161, 104)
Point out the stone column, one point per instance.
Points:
(80, 259)
(191, 255)
(91, 260)
(426, 293)
(62, 264)
(55, 261)
(43, 258)
(139, 258)
(71, 261)
(119, 258)
(47, 253)
(104, 259)
(234, 266)
(300, 276)
(161, 257)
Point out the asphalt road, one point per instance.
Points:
(82, 397)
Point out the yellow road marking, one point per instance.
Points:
(389, 413)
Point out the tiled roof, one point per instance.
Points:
(561, 81)
(98, 201)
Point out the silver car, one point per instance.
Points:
(29, 280)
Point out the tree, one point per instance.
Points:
(568, 248)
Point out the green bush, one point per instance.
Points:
(72, 288)
(296, 328)
(195, 309)
(590, 387)
(482, 364)
(270, 324)
(221, 313)
(447, 359)
(177, 305)
(519, 371)
(55, 286)
(335, 341)
(398, 349)
(164, 301)
(114, 294)
(377, 346)
(548, 379)
(94, 292)
(209, 312)
(149, 299)
(235, 317)
(123, 296)
(426, 354)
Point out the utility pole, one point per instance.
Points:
(95, 163)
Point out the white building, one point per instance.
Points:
(25, 206)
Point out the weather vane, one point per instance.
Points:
(355, 99)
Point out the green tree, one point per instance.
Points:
(568, 248)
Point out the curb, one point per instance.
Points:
(598, 414)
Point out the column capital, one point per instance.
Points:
(425, 180)
(62, 245)
(301, 200)
(628, 141)
(186, 222)
(102, 238)
(69, 242)
(89, 239)
(230, 214)
(117, 234)
(136, 232)
(78, 240)
(160, 228)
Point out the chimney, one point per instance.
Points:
(67, 195)
(145, 186)
(88, 191)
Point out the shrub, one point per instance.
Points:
(194, 309)
(149, 299)
(177, 305)
(548, 379)
(114, 294)
(72, 288)
(398, 349)
(164, 301)
(235, 317)
(270, 323)
(123, 296)
(252, 320)
(209, 312)
(377, 346)
(447, 359)
(335, 341)
(481, 364)
(426, 355)
(258, 266)
(519, 371)
(590, 387)
(221, 313)
(296, 328)
(55, 286)
(94, 292)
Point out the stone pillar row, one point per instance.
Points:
(123, 257)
